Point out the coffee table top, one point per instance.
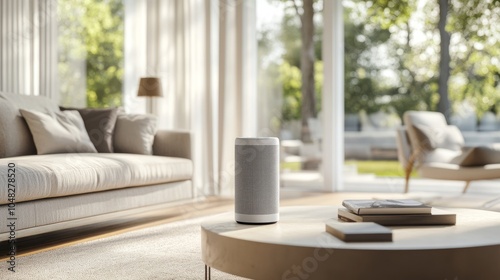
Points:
(304, 225)
(298, 246)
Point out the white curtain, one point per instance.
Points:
(205, 53)
(28, 47)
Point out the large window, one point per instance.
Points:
(91, 52)
(399, 56)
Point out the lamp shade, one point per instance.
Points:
(150, 86)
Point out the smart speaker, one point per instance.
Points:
(257, 180)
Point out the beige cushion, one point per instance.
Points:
(440, 155)
(62, 133)
(421, 126)
(450, 137)
(429, 130)
(134, 134)
(44, 176)
(15, 136)
(423, 136)
(479, 156)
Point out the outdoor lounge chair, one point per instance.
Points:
(437, 151)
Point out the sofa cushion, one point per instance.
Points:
(15, 136)
(100, 125)
(55, 175)
(63, 133)
(134, 134)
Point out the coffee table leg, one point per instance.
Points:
(207, 273)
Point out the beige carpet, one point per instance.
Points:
(170, 251)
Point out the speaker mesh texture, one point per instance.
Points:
(257, 179)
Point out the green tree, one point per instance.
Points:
(475, 66)
(469, 23)
(93, 31)
(291, 79)
(304, 11)
(421, 80)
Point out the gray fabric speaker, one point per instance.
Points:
(257, 180)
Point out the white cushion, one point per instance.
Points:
(450, 137)
(134, 134)
(44, 176)
(64, 132)
(440, 155)
(479, 156)
(428, 131)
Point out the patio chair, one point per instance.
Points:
(437, 151)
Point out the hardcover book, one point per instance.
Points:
(358, 232)
(386, 206)
(437, 217)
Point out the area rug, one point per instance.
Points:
(169, 251)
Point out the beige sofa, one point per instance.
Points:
(53, 191)
(437, 151)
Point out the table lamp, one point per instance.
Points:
(150, 87)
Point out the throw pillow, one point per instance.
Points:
(100, 125)
(478, 156)
(424, 138)
(134, 134)
(451, 138)
(62, 133)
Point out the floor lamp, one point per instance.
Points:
(150, 87)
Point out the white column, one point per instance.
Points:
(211, 148)
(246, 54)
(333, 95)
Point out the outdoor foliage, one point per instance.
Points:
(91, 34)
(290, 78)
(393, 55)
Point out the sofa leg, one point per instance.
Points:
(467, 184)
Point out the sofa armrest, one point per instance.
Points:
(172, 143)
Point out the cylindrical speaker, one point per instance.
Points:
(257, 180)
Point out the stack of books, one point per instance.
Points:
(394, 213)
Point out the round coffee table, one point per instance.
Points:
(297, 247)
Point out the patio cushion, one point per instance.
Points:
(441, 155)
(479, 156)
(428, 131)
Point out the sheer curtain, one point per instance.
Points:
(205, 53)
(28, 47)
